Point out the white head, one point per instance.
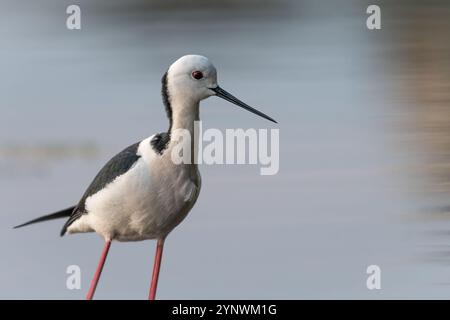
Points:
(191, 79)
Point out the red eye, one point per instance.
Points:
(197, 75)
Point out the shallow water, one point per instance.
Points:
(363, 126)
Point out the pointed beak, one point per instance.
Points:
(229, 97)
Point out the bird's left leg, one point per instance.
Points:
(98, 272)
(156, 267)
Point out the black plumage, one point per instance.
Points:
(117, 166)
(160, 142)
(59, 214)
(166, 100)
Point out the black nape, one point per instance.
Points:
(166, 100)
(161, 140)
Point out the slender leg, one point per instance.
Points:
(156, 267)
(98, 272)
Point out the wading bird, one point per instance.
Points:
(141, 193)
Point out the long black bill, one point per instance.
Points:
(229, 97)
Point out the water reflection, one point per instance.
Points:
(422, 55)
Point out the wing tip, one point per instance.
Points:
(23, 224)
(57, 215)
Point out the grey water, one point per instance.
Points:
(363, 119)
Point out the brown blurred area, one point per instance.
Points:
(422, 53)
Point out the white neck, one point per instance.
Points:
(184, 115)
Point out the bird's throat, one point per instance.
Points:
(183, 130)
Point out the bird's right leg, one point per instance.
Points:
(98, 272)
(156, 267)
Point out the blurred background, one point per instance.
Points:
(364, 119)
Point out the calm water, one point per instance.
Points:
(363, 126)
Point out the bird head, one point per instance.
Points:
(193, 78)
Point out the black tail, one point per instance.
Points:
(60, 214)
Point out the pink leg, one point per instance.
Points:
(156, 267)
(98, 272)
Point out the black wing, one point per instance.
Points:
(56, 215)
(117, 166)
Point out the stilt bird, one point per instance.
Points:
(141, 193)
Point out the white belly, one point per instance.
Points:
(147, 202)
